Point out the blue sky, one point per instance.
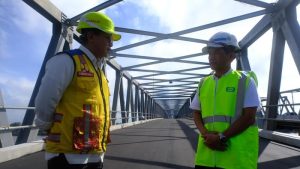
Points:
(25, 35)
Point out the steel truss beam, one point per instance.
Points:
(176, 59)
(256, 32)
(174, 90)
(284, 28)
(168, 80)
(195, 29)
(96, 8)
(46, 9)
(291, 31)
(115, 97)
(257, 3)
(161, 59)
(281, 16)
(156, 73)
(27, 135)
(178, 88)
(275, 76)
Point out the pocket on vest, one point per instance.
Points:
(86, 85)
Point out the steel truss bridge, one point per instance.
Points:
(141, 93)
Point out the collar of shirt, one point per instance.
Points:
(98, 63)
(216, 78)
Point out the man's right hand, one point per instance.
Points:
(43, 125)
(212, 140)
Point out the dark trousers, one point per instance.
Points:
(204, 167)
(60, 162)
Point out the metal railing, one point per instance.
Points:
(11, 128)
(280, 115)
(135, 116)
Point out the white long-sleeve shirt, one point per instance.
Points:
(58, 75)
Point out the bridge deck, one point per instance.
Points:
(164, 144)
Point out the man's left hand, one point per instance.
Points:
(213, 141)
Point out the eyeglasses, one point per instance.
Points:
(108, 37)
(214, 51)
(227, 49)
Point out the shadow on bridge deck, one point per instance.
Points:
(164, 144)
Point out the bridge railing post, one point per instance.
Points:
(6, 138)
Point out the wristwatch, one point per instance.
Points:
(222, 137)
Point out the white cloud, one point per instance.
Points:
(73, 8)
(3, 45)
(176, 16)
(27, 19)
(290, 74)
(179, 15)
(17, 89)
(173, 15)
(259, 54)
(16, 92)
(166, 49)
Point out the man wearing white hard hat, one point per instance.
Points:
(73, 100)
(224, 110)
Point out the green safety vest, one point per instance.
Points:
(221, 104)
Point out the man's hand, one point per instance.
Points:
(212, 140)
(108, 139)
(43, 125)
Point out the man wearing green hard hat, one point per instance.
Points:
(98, 21)
(73, 99)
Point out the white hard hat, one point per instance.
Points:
(222, 39)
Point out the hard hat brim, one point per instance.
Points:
(205, 49)
(116, 36)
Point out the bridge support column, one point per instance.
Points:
(115, 97)
(275, 74)
(59, 41)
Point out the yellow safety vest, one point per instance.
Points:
(221, 105)
(81, 120)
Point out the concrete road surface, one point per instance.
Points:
(164, 144)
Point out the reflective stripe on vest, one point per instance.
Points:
(220, 118)
(55, 137)
(87, 113)
(240, 97)
(58, 117)
(217, 118)
(238, 107)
